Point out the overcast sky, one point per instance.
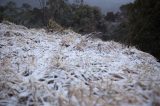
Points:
(108, 5)
(104, 5)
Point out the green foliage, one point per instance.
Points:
(1, 13)
(82, 18)
(86, 18)
(10, 12)
(144, 26)
(24, 15)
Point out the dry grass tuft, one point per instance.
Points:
(81, 45)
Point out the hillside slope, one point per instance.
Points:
(66, 69)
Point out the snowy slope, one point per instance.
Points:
(67, 69)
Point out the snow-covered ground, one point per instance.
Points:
(39, 68)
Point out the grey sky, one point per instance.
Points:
(104, 5)
(108, 5)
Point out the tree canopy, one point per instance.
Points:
(144, 25)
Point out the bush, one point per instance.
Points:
(53, 26)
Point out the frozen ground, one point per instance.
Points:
(38, 68)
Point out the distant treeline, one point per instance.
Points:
(137, 24)
(82, 18)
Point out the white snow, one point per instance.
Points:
(47, 67)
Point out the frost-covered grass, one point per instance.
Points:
(38, 68)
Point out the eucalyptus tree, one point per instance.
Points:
(44, 9)
(10, 11)
(144, 26)
(59, 11)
